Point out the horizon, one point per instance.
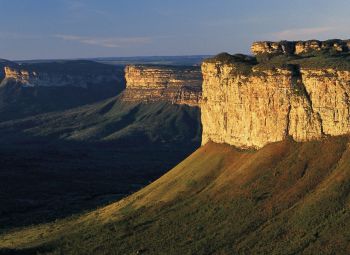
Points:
(104, 58)
(78, 29)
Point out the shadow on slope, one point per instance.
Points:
(287, 198)
(56, 164)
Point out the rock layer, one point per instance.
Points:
(149, 83)
(264, 106)
(299, 47)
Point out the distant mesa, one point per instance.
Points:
(34, 87)
(71, 73)
(175, 84)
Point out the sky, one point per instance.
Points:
(48, 29)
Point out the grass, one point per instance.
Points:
(243, 64)
(282, 199)
(312, 60)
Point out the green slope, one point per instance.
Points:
(112, 120)
(286, 198)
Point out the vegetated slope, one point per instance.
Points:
(19, 101)
(286, 198)
(112, 120)
(56, 164)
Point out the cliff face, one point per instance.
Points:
(299, 47)
(264, 105)
(37, 77)
(180, 85)
(34, 88)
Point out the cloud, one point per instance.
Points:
(106, 42)
(304, 33)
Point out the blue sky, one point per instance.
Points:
(39, 29)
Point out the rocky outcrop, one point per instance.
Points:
(299, 47)
(149, 83)
(254, 108)
(36, 77)
(328, 91)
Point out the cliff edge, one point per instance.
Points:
(249, 103)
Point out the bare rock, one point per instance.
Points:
(149, 83)
(265, 106)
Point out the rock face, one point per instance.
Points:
(252, 109)
(36, 77)
(28, 89)
(299, 47)
(149, 83)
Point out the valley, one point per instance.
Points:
(57, 163)
(248, 155)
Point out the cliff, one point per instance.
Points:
(247, 103)
(34, 88)
(175, 84)
(80, 74)
(299, 47)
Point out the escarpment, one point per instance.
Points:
(31, 88)
(82, 74)
(175, 84)
(247, 103)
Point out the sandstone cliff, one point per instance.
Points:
(299, 47)
(149, 83)
(250, 104)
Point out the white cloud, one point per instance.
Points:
(107, 42)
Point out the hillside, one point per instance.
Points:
(56, 164)
(111, 120)
(286, 198)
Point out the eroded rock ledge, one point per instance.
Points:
(175, 84)
(299, 47)
(250, 104)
